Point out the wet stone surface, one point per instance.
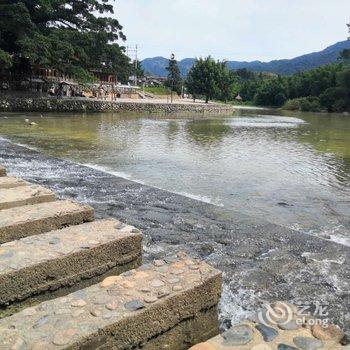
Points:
(239, 335)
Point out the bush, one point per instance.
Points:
(340, 106)
(292, 105)
(304, 104)
(310, 104)
(331, 97)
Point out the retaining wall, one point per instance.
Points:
(86, 105)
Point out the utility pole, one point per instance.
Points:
(132, 53)
(136, 63)
(172, 58)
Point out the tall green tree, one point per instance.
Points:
(174, 80)
(70, 35)
(225, 83)
(203, 78)
(211, 79)
(138, 69)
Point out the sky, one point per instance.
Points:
(232, 29)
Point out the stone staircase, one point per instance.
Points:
(69, 282)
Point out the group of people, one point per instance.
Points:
(65, 90)
(105, 92)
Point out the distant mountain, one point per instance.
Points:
(157, 65)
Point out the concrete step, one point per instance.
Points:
(155, 307)
(65, 260)
(24, 195)
(2, 171)
(29, 220)
(11, 182)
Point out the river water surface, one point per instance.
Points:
(292, 170)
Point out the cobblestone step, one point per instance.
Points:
(158, 306)
(11, 182)
(2, 171)
(24, 195)
(29, 220)
(66, 258)
(280, 327)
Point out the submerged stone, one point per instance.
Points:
(239, 335)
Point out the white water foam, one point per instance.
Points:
(234, 306)
(335, 234)
(200, 198)
(112, 172)
(266, 121)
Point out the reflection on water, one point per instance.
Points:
(293, 170)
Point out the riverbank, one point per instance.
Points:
(261, 261)
(81, 105)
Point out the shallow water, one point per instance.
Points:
(292, 170)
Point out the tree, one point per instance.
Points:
(203, 78)
(174, 80)
(225, 83)
(211, 79)
(271, 92)
(335, 99)
(137, 69)
(5, 60)
(72, 36)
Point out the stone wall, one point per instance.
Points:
(86, 105)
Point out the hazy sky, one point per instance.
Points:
(233, 29)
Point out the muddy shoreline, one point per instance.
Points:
(261, 261)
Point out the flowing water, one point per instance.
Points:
(291, 169)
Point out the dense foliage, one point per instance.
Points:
(324, 88)
(74, 36)
(210, 79)
(174, 81)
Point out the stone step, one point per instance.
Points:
(29, 220)
(11, 182)
(2, 171)
(24, 195)
(155, 307)
(76, 257)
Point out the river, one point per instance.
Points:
(290, 169)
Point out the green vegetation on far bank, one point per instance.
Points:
(326, 88)
(157, 90)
